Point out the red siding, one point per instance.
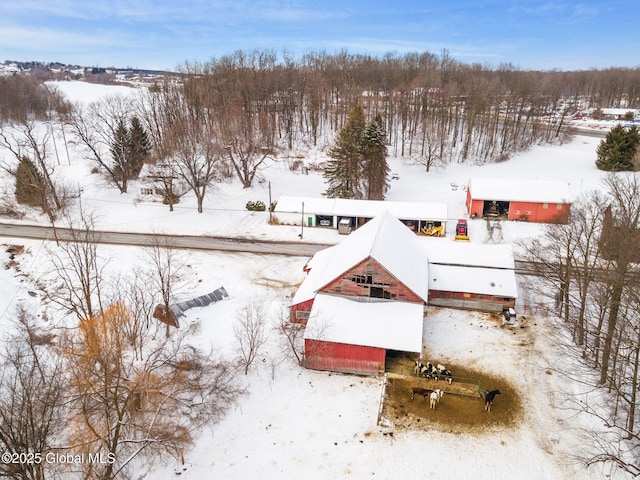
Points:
(347, 283)
(539, 212)
(525, 211)
(474, 207)
(300, 307)
(339, 357)
(469, 202)
(508, 302)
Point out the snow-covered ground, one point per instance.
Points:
(294, 423)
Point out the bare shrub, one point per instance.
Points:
(249, 332)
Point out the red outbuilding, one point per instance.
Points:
(525, 200)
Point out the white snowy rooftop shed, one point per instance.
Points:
(510, 190)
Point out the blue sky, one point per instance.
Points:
(163, 34)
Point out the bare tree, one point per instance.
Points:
(195, 156)
(621, 248)
(76, 283)
(249, 333)
(96, 127)
(430, 151)
(292, 336)
(247, 145)
(167, 272)
(126, 405)
(586, 220)
(32, 394)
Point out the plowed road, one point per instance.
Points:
(226, 244)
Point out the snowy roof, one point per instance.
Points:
(362, 208)
(357, 321)
(316, 277)
(478, 280)
(383, 238)
(445, 251)
(520, 190)
(619, 111)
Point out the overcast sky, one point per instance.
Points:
(163, 34)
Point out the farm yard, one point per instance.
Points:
(294, 422)
(455, 412)
(461, 409)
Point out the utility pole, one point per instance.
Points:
(302, 223)
(270, 203)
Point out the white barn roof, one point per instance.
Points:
(478, 280)
(536, 191)
(362, 208)
(444, 251)
(383, 238)
(382, 324)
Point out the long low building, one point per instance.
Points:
(421, 217)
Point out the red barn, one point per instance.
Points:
(363, 297)
(526, 200)
(347, 335)
(366, 296)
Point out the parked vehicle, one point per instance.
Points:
(344, 226)
(462, 230)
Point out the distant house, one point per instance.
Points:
(526, 200)
(157, 182)
(620, 114)
(365, 296)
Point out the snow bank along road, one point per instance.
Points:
(298, 249)
(225, 244)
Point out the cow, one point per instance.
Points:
(425, 392)
(434, 398)
(488, 399)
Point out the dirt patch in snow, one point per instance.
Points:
(461, 410)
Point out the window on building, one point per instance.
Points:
(545, 205)
(302, 315)
(376, 292)
(559, 206)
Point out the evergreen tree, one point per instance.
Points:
(374, 154)
(129, 149)
(617, 151)
(30, 185)
(139, 147)
(344, 170)
(120, 148)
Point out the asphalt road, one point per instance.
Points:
(225, 244)
(589, 132)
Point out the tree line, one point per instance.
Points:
(231, 116)
(591, 265)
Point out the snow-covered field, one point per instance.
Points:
(294, 423)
